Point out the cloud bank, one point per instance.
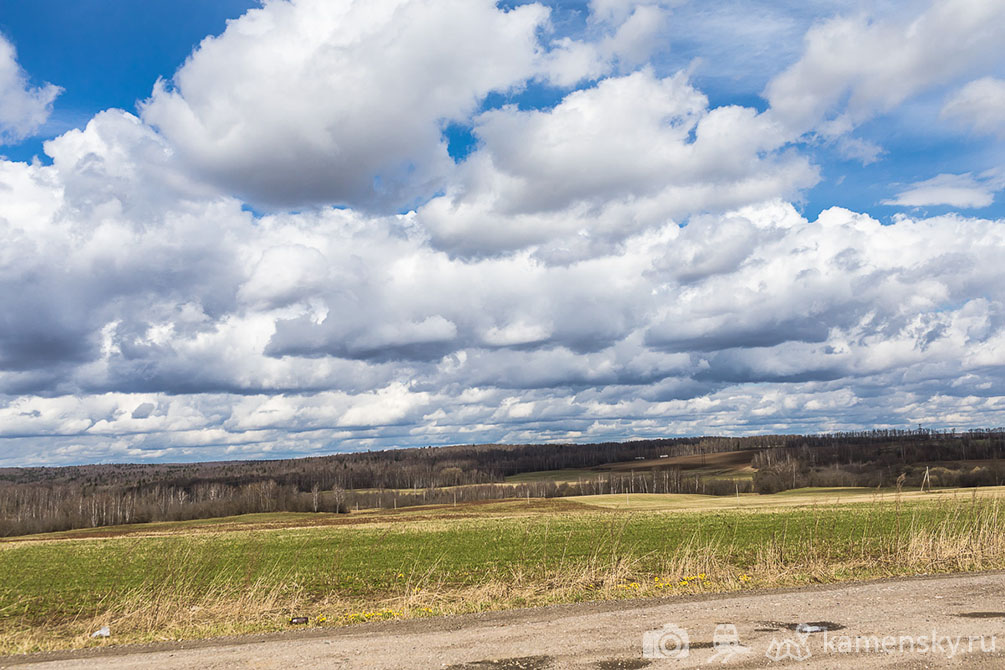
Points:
(625, 262)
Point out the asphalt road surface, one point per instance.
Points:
(928, 622)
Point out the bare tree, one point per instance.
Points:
(338, 495)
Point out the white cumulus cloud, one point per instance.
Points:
(23, 107)
(855, 66)
(337, 101)
(631, 153)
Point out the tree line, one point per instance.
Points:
(885, 458)
(42, 499)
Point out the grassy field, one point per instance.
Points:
(727, 464)
(558, 476)
(249, 574)
(790, 498)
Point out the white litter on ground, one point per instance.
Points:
(102, 632)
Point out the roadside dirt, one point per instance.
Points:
(927, 622)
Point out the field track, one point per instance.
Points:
(607, 636)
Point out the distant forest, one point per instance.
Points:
(34, 500)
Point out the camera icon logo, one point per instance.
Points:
(671, 641)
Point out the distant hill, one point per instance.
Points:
(37, 499)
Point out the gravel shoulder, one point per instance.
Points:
(944, 621)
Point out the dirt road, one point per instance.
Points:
(955, 622)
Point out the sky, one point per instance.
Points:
(240, 229)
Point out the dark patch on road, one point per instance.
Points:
(622, 664)
(700, 645)
(822, 625)
(520, 663)
(766, 630)
(982, 615)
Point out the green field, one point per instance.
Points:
(720, 465)
(558, 476)
(790, 498)
(251, 574)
